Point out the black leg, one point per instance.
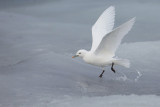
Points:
(113, 68)
(101, 74)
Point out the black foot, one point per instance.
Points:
(113, 68)
(101, 74)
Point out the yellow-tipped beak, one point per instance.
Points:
(74, 56)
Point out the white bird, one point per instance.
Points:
(105, 41)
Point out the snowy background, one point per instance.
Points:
(38, 39)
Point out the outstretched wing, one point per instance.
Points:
(103, 25)
(112, 40)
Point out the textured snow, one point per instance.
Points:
(111, 101)
(38, 40)
(108, 101)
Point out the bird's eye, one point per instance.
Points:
(79, 53)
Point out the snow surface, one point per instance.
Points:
(37, 42)
(108, 101)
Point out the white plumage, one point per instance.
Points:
(103, 25)
(105, 41)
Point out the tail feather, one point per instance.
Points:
(122, 62)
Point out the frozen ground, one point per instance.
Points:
(37, 40)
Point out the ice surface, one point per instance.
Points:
(38, 40)
(108, 101)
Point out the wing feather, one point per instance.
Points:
(103, 25)
(112, 40)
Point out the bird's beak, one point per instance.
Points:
(74, 56)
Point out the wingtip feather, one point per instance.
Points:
(133, 20)
(113, 7)
(110, 9)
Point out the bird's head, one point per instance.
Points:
(80, 53)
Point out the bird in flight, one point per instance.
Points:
(105, 41)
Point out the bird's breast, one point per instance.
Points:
(96, 60)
